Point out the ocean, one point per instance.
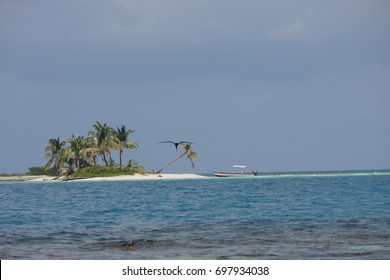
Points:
(272, 216)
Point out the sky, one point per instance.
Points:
(276, 85)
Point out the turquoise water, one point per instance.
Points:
(292, 216)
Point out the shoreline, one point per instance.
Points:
(170, 176)
(27, 178)
(137, 176)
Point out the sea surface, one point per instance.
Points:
(271, 216)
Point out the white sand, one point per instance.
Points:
(25, 178)
(146, 177)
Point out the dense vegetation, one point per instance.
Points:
(78, 152)
(102, 171)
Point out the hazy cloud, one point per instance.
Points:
(293, 31)
(304, 84)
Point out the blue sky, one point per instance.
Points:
(276, 85)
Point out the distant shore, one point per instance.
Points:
(28, 178)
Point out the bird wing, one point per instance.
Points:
(167, 142)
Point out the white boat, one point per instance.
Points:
(235, 174)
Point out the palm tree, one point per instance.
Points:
(103, 139)
(90, 151)
(77, 147)
(191, 155)
(54, 153)
(120, 137)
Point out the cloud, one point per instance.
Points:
(293, 31)
(253, 65)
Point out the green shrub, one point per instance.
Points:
(40, 170)
(133, 165)
(102, 171)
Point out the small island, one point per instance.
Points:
(90, 158)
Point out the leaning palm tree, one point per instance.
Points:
(191, 155)
(54, 153)
(120, 137)
(103, 139)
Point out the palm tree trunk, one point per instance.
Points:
(104, 158)
(57, 168)
(120, 157)
(173, 161)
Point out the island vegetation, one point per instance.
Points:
(91, 155)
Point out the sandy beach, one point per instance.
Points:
(147, 177)
(26, 178)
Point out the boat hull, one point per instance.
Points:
(233, 174)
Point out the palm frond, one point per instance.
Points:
(131, 145)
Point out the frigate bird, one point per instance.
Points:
(176, 143)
